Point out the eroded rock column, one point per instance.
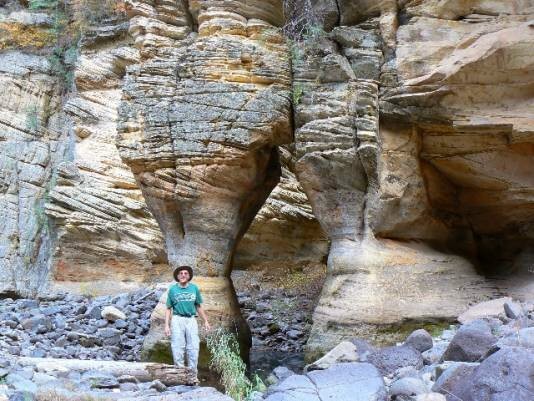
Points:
(367, 187)
(202, 115)
(336, 115)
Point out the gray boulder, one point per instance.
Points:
(36, 321)
(350, 382)
(279, 373)
(293, 388)
(19, 383)
(390, 359)
(470, 343)
(342, 382)
(420, 339)
(94, 312)
(484, 309)
(506, 375)
(109, 336)
(513, 310)
(452, 374)
(364, 348)
(407, 386)
(111, 313)
(343, 352)
(435, 354)
(522, 338)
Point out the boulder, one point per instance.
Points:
(470, 343)
(20, 383)
(364, 348)
(407, 386)
(484, 309)
(513, 310)
(33, 323)
(111, 313)
(420, 339)
(341, 382)
(343, 352)
(389, 359)
(504, 376)
(435, 354)
(522, 338)
(279, 373)
(94, 312)
(448, 378)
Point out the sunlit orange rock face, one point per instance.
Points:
(202, 115)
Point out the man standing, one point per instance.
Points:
(183, 303)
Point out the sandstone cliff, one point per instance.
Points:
(102, 227)
(194, 132)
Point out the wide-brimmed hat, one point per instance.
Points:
(179, 269)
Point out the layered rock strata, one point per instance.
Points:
(202, 114)
(398, 145)
(103, 225)
(105, 239)
(33, 142)
(285, 232)
(413, 143)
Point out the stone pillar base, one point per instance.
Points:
(391, 288)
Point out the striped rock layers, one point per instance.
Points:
(414, 146)
(202, 115)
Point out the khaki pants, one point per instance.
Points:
(185, 341)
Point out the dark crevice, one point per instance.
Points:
(10, 294)
(338, 14)
(193, 23)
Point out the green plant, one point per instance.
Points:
(42, 4)
(226, 360)
(89, 289)
(298, 91)
(33, 122)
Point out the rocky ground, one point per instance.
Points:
(278, 305)
(278, 308)
(490, 355)
(77, 326)
(72, 347)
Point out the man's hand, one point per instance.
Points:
(168, 316)
(207, 325)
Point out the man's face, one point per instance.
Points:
(183, 276)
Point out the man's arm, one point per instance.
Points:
(202, 314)
(168, 314)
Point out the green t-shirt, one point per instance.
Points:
(182, 300)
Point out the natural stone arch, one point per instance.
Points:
(202, 116)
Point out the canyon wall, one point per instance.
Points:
(415, 147)
(394, 139)
(105, 237)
